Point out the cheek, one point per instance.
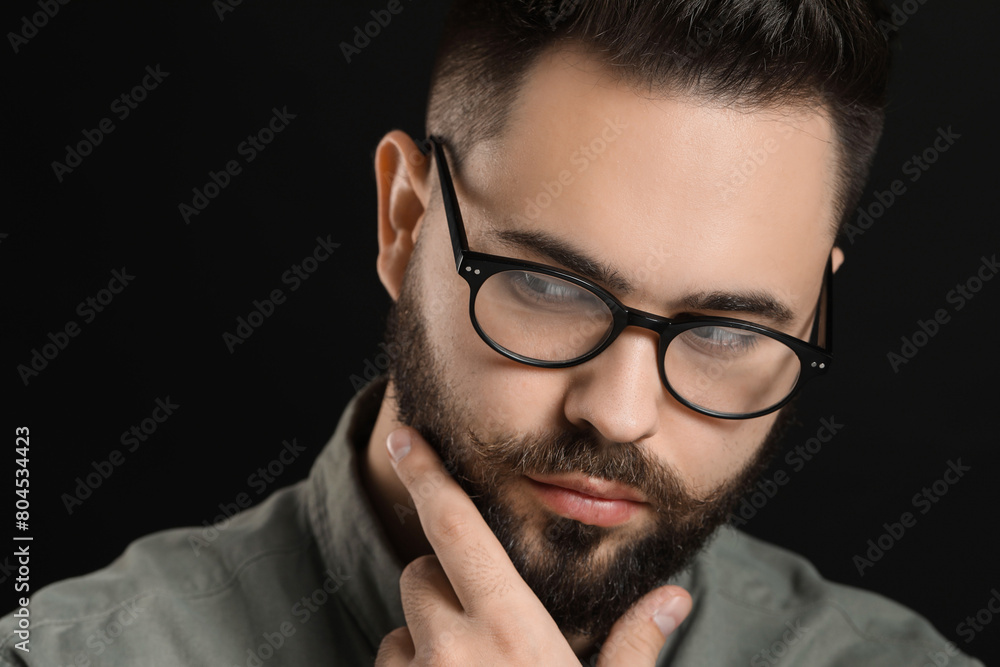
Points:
(709, 452)
(490, 393)
(502, 397)
(517, 399)
(444, 306)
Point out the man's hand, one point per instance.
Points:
(467, 604)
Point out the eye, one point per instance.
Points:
(725, 339)
(539, 288)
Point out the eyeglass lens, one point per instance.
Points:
(718, 368)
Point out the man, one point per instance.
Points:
(611, 268)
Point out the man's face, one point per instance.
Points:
(679, 198)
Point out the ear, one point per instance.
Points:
(402, 182)
(838, 258)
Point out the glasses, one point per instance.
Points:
(543, 316)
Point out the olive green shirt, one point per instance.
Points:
(308, 578)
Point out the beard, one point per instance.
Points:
(586, 576)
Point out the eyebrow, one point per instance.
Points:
(756, 303)
(753, 302)
(565, 254)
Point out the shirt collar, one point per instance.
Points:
(351, 540)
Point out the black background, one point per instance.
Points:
(162, 336)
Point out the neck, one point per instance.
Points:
(387, 494)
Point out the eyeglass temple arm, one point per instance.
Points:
(824, 310)
(456, 225)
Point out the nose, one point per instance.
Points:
(619, 392)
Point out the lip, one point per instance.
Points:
(587, 500)
(591, 486)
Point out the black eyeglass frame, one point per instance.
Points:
(476, 268)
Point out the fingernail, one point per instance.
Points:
(667, 617)
(398, 444)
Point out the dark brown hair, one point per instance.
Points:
(828, 53)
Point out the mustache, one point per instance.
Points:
(626, 463)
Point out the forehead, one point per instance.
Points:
(720, 190)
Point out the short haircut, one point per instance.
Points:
(830, 54)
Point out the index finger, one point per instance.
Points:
(477, 565)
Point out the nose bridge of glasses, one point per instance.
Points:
(645, 320)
